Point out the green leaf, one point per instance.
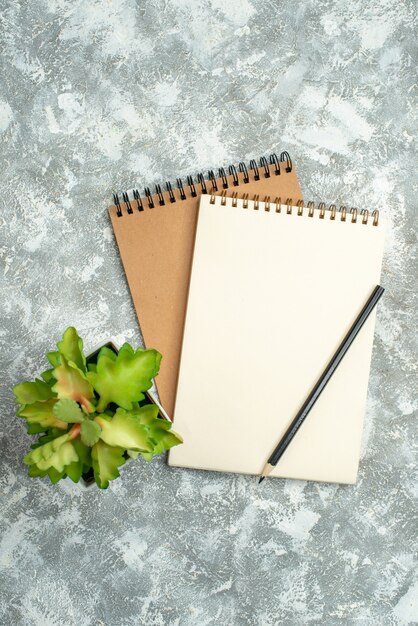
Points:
(62, 457)
(56, 453)
(90, 433)
(76, 469)
(68, 411)
(83, 452)
(124, 430)
(105, 351)
(71, 348)
(134, 454)
(147, 414)
(54, 358)
(164, 440)
(123, 378)
(52, 434)
(35, 472)
(42, 413)
(55, 475)
(48, 376)
(34, 429)
(159, 431)
(29, 392)
(106, 460)
(73, 384)
(49, 436)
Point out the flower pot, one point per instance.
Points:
(87, 480)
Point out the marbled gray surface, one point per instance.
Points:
(101, 96)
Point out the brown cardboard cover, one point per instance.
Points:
(156, 247)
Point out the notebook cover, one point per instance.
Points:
(271, 297)
(156, 247)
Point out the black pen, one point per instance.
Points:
(322, 382)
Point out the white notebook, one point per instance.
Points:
(273, 291)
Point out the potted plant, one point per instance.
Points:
(92, 414)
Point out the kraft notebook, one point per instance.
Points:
(273, 290)
(155, 235)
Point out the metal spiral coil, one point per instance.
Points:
(202, 182)
(265, 166)
(127, 202)
(170, 192)
(148, 194)
(181, 189)
(212, 178)
(323, 212)
(233, 172)
(159, 193)
(191, 186)
(275, 161)
(253, 166)
(138, 199)
(223, 176)
(148, 200)
(285, 157)
(243, 169)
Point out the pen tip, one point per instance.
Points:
(261, 479)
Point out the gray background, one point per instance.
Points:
(102, 96)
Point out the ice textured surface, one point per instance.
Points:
(102, 96)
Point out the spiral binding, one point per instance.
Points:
(273, 167)
(354, 215)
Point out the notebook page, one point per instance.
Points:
(271, 297)
(156, 247)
